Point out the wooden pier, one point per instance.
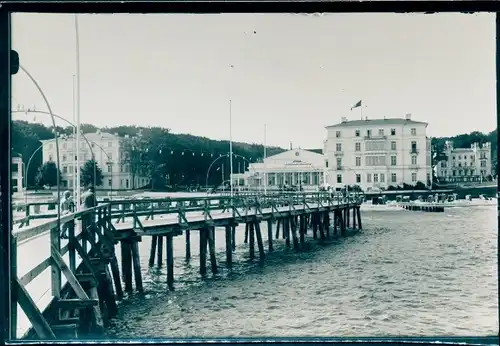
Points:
(87, 299)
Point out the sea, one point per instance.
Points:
(406, 273)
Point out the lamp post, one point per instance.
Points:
(265, 155)
(77, 42)
(57, 141)
(218, 158)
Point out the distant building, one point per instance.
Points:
(109, 154)
(17, 174)
(295, 167)
(376, 153)
(465, 164)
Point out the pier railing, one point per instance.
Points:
(148, 207)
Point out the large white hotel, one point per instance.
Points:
(377, 153)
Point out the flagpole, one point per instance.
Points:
(231, 147)
(361, 111)
(265, 155)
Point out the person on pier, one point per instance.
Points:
(66, 207)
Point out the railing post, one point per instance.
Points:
(55, 245)
(13, 286)
(27, 214)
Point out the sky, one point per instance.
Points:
(294, 73)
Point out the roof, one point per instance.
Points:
(376, 122)
(317, 151)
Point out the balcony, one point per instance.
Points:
(339, 153)
(340, 168)
(414, 151)
(375, 137)
(414, 166)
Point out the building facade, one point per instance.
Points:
(295, 167)
(17, 174)
(109, 153)
(375, 154)
(465, 164)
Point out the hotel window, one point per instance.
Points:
(413, 131)
(71, 169)
(326, 163)
(110, 168)
(465, 157)
(393, 177)
(413, 160)
(110, 144)
(368, 133)
(460, 157)
(64, 157)
(357, 133)
(393, 132)
(339, 162)
(472, 158)
(483, 163)
(50, 157)
(337, 134)
(393, 160)
(126, 183)
(110, 156)
(368, 177)
(414, 177)
(65, 169)
(453, 157)
(109, 182)
(339, 178)
(338, 147)
(380, 132)
(375, 177)
(358, 161)
(358, 146)
(382, 177)
(393, 145)
(358, 178)
(65, 146)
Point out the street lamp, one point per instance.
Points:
(214, 161)
(57, 142)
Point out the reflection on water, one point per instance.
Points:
(407, 273)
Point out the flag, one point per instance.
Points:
(356, 105)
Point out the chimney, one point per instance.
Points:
(343, 119)
(408, 116)
(291, 145)
(366, 118)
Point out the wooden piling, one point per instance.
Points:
(314, 220)
(188, 244)
(326, 223)
(303, 229)
(278, 224)
(229, 246)
(293, 226)
(160, 251)
(252, 239)
(286, 231)
(321, 226)
(358, 212)
(170, 261)
(246, 233)
(126, 265)
(137, 265)
(154, 240)
(260, 244)
(270, 234)
(342, 223)
(354, 217)
(115, 271)
(211, 244)
(203, 251)
(233, 237)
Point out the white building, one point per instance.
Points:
(377, 153)
(17, 174)
(109, 155)
(465, 164)
(296, 167)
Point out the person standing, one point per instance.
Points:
(65, 207)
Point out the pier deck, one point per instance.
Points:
(71, 286)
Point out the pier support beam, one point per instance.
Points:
(229, 246)
(203, 251)
(170, 261)
(188, 244)
(270, 234)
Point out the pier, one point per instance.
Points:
(85, 280)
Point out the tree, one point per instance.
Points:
(47, 175)
(87, 174)
(420, 186)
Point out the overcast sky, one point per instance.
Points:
(295, 73)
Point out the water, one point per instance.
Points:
(407, 273)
